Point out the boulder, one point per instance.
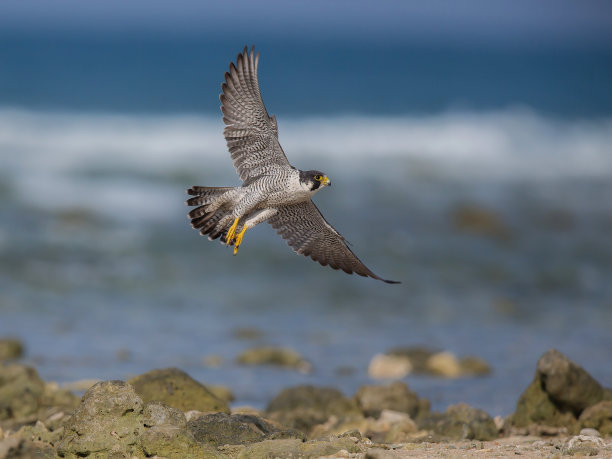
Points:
(237, 429)
(598, 416)
(560, 392)
(21, 390)
(108, 420)
(535, 406)
(303, 407)
(176, 388)
(461, 422)
(567, 382)
(24, 397)
(373, 399)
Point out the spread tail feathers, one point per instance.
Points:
(208, 220)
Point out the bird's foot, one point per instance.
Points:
(239, 239)
(231, 233)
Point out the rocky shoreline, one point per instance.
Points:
(167, 414)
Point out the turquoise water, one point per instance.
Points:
(102, 277)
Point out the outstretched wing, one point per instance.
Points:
(307, 232)
(251, 134)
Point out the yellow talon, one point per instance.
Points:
(239, 239)
(231, 233)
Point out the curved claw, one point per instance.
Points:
(239, 239)
(231, 233)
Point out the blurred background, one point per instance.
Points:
(470, 147)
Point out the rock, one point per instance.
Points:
(237, 429)
(176, 388)
(108, 420)
(398, 362)
(391, 427)
(461, 422)
(171, 442)
(384, 366)
(417, 355)
(303, 407)
(335, 447)
(277, 356)
(584, 445)
(15, 447)
(39, 433)
(598, 416)
(444, 364)
(567, 382)
(535, 406)
(21, 390)
(474, 366)
(559, 393)
(158, 413)
(372, 400)
(10, 349)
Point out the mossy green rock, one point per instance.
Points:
(20, 391)
(461, 422)
(598, 417)
(237, 429)
(108, 421)
(567, 382)
(303, 407)
(560, 392)
(174, 442)
(536, 407)
(176, 388)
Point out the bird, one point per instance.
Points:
(272, 189)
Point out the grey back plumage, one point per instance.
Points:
(251, 134)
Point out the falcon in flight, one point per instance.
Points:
(272, 189)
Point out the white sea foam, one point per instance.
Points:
(53, 152)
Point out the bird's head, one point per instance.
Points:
(314, 180)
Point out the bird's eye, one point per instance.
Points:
(318, 178)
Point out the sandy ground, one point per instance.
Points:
(524, 446)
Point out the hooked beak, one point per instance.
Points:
(326, 181)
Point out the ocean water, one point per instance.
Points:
(102, 277)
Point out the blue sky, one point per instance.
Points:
(542, 22)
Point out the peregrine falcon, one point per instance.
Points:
(272, 189)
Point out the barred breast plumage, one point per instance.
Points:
(272, 189)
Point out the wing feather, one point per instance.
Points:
(307, 232)
(251, 134)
